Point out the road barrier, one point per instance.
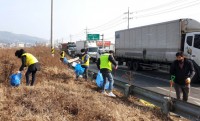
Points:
(167, 104)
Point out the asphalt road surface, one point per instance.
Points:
(156, 81)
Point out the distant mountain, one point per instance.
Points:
(8, 37)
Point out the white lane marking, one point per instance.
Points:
(165, 80)
(164, 89)
(197, 103)
(174, 92)
(196, 88)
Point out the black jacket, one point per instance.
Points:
(182, 74)
(105, 70)
(23, 58)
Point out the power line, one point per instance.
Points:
(115, 22)
(160, 6)
(175, 8)
(108, 25)
(111, 26)
(111, 21)
(101, 26)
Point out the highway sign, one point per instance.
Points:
(93, 37)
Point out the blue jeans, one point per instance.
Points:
(110, 79)
(85, 73)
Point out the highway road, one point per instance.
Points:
(157, 81)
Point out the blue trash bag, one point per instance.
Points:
(15, 79)
(65, 61)
(99, 81)
(79, 70)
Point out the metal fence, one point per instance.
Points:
(166, 103)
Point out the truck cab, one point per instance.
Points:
(192, 46)
(71, 49)
(92, 51)
(192, 51)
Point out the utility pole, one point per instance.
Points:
(128, 16)
(70, 38)
(102, 41)
(86, 32)
(52, 42)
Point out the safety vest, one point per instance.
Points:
(87, 62)
(62, 54)
(104, 62)
(30, 59)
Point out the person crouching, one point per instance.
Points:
(28, 60)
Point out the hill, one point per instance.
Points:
(8, 37)
(58, 97)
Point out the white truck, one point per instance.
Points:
(154, 46)
(79, 45)
(91, 47)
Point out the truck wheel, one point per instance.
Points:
(120, 62)
(136, 66)
(130, 65)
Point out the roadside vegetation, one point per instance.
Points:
(56, 96)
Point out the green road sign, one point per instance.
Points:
(92, 36)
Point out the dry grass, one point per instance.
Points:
(57, 97)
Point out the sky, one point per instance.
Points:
(72, 19)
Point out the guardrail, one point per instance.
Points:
(167, 104)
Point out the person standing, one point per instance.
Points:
(104, 64)
(28, 60)
(85, 62)
(182, 72)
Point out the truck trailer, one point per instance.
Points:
(154, 46)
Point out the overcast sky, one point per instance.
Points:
(71, 17)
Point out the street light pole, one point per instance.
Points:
(102, 41)
(128, 17)
(52, 42)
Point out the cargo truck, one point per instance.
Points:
(69, 48)
(154, 46)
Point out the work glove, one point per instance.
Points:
(116, 67)
(188, 81)
(18, 72)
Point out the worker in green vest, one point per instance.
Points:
(28, 60)
(85, 62)
(104, 64)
